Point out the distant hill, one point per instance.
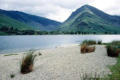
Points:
(21, 20)
(91, 20)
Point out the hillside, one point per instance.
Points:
(36, 22)
(91, 20)
(7, 21)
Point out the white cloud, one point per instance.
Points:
(58, 9)
(108, 6)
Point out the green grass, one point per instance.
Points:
(89, 42)
(115, 69)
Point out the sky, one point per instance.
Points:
(58, 10)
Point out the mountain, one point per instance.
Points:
(86, 19)
(91, 20)
(23, 20)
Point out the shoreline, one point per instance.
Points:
(24, 51)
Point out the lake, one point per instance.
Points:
(10, 44)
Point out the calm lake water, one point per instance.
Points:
(9, 44)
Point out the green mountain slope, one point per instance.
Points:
(9, 22)
(91, 20)
(37, 22)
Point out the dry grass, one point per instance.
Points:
(27, 63)
(87, 49)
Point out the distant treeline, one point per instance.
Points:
(15, 31)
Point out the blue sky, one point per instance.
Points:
(58, 10)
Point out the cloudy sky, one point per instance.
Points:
(59, 10)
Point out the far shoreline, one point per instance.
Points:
(24, 51)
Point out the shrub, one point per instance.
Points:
(113, 50)
(89, 42)
(27, 63)
(87, 49)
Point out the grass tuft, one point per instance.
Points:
(113, 50)
(27, 63)
(87, 49)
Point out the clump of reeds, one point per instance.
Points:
(87, 49)
(27, 63)
(85, 46)
(113, 50)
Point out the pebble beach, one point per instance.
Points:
(60, 63)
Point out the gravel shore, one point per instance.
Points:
(61, 63)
